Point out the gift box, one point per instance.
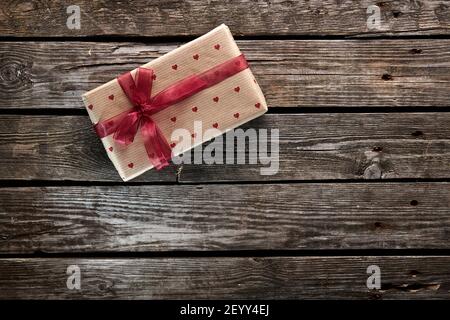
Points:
(205, 81)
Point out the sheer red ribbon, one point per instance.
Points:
(125, 125)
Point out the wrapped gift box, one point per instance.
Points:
(222, 106)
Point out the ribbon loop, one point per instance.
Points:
(138, 91)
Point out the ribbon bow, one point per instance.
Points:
(125, 125)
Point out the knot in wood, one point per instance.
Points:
(14, 75)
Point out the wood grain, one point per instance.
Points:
(312, 147)
(59, 148)
(292, 73)
(342, 146)
(307, 216)
(227, 278)
(305, 54)
(193, 17)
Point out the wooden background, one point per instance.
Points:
(364, 156)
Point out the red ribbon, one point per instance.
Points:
(125, 125)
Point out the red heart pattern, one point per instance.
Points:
(194, 108)
(90, 107)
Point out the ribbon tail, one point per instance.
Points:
(158, 150)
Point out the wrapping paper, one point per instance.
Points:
(224, 106)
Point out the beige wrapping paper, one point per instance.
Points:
(224, 106)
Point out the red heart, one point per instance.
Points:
(194, 109)
(131, 165)
(111, 97)
(193, 135)
(173, 144)
(216, 99)
(173, 119)
(258, 105)
(90, 107)
(174, 67)
(217, 46)
(236, 115)
(195, 56)
(111, 149)
(215, 125)
(237, 89)
(154, 76)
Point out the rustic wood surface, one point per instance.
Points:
(292, 73)
(408, 277)
(225, 217)
(312, 147)
(58, 148)
(250, 18)
(364, 158)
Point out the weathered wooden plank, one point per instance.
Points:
(342, 146)
(59, 148)
(311, 147)
(413, 277)
(245, 17)
(292, 73)
(225, 217)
